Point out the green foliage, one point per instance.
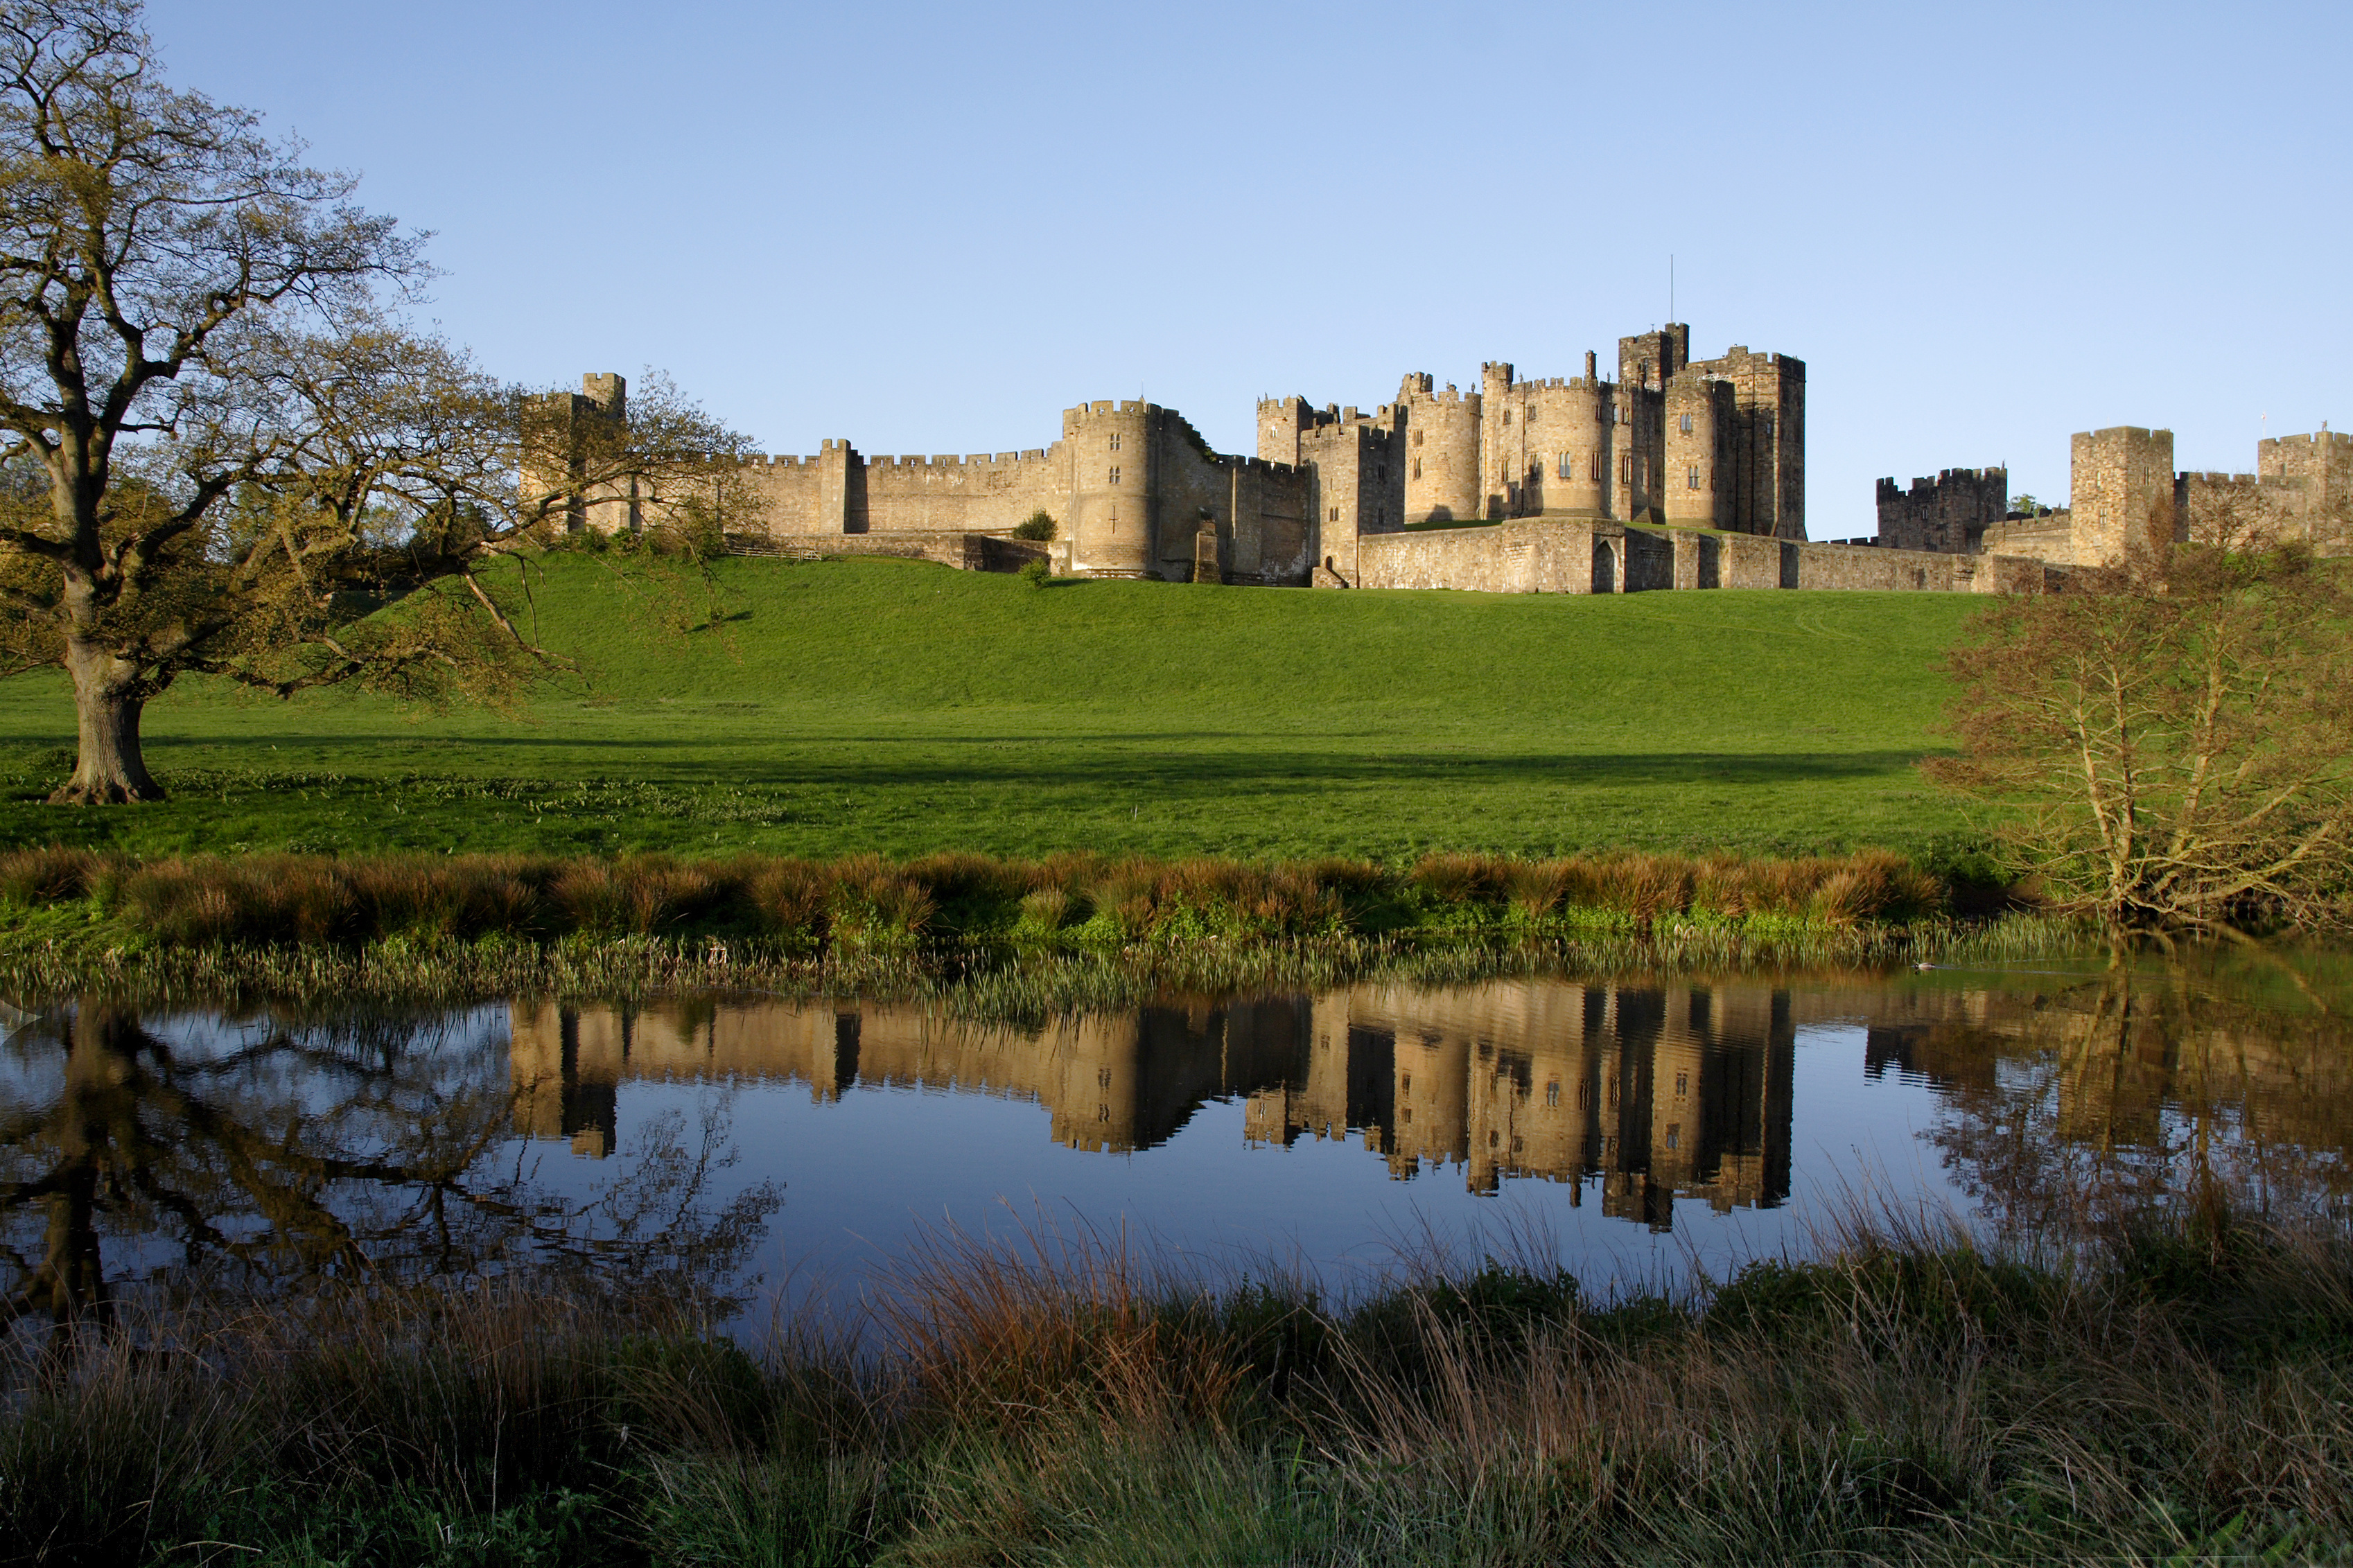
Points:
(845, 706)
(1038, 574)
(1038, 526)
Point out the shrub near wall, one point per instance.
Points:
(868, 903)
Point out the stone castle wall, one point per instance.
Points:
(1950, 512)
(2127, 496)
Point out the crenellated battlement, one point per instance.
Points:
(959, 464)
(1420, 388)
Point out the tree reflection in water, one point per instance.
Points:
(263, 1157)
(2139, 1089)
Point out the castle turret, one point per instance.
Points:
(1567, 429)
(2122, 484)
(1649, 360)
(1280, 421)
(1441, 451)
(1503, 443)
(1108, 450)
(1698, 427)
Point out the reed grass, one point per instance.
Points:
(1069, 926)
(2174, 1389)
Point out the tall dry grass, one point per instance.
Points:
(2177, 1389)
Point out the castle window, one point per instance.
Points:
(1674, 1135)
(1565, 469)
(1686, 422)
(1532, 416)
(1335, 514)
(1115, 473)
(1694, 480)
(1552, 1092)
(1768, 427)
(1626, 468)
(1417, 437)
(1683, 1084)
(1596, 474)
(1622, 413)
(1114, 440)
(1507, 417)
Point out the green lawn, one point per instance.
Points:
(900, 707)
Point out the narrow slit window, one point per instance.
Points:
(1693, 480)
(1567, 466)
(1596, 474)
(1626, 468)
(1417, 468)
(1686, 424)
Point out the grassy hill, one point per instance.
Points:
(900, 707)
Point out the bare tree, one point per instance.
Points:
(2173, 752)
(220, 454)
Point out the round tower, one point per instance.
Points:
(1440, 451)
(1693, 443)
(1570, 437)
(1107, 450)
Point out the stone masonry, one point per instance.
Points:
(2126, 495)
(1680, 473)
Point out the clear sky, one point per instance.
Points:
(930, 227)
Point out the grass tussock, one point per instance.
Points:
(2176, 1389)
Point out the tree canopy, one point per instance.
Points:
(222, 450)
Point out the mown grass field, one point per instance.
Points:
(902, 708)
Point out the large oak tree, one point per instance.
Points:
(219, 452)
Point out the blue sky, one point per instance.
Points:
(929, 228)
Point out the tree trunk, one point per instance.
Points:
(109, 768)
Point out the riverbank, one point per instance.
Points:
(2174, 1389)
(1070, 928)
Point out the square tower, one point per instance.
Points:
(2123, 493)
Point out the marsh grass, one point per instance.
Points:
(1068, 925)
(2174, 1389)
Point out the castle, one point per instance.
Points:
(1680, 473)
(2126, 492)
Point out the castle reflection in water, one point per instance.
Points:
(1664, 1092)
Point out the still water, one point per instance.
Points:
(1643, 1131)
